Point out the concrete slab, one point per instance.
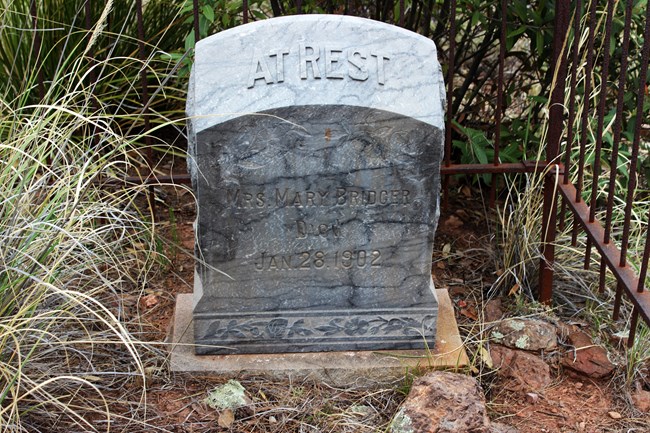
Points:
(335, 368)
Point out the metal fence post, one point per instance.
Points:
(556, 128)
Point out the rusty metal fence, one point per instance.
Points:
(580, 54)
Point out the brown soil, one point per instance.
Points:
(465, 262)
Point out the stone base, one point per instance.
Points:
(361, 368)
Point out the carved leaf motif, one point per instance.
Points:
(429, 323)
(356, 326)
(213, 330)
(392, 325)
(279, 328)
(297, 329)
(332, 328)
(233, 330)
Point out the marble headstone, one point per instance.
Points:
(315, 148)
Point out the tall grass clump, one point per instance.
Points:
(72, 244)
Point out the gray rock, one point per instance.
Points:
(443, 402)
(525, 334)
(230, 395)
(315, 150)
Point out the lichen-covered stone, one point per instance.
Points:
(443, 402)
(230, 395)
(526, 334)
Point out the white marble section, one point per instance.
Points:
(315, 60)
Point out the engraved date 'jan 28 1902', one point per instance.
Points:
(306, 260)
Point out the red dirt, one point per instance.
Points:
(463, 262)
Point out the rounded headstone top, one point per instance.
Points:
(315, 60)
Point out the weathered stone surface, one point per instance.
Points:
(315, 148)
(443, 402)
(315, 60)
(585, 357)
(230, 395)
(530, 371)
(526, 334)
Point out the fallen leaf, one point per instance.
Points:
(149, 301)
(514, 290)
(226, 418)
(614, 415)
(446, 250)
(486, 358)
(467, 192)
(91, 378)
(469, 312)
(462, 304)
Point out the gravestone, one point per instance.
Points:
(315, 148)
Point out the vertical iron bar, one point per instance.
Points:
(617, 301)
(92, 77)
(601, 111)
(401, 13)
(618, 122)
(572, 112)
(450, 96)
(499, 112)
(633, 325)
(556, 126)
(245, 12)
(587, 99)
(195, 12)
(599, 130)
(645, 56)
(572, 97)
(585, 116)
(602, 273)
(37, 48)
(644, 262)
(299, 7)
(145, 99)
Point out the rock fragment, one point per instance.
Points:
(529, 370)
(586, 357)
(443, 402)
(526, 334)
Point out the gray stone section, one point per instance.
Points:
(318, 196)
(344, 61)
(349, 369)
